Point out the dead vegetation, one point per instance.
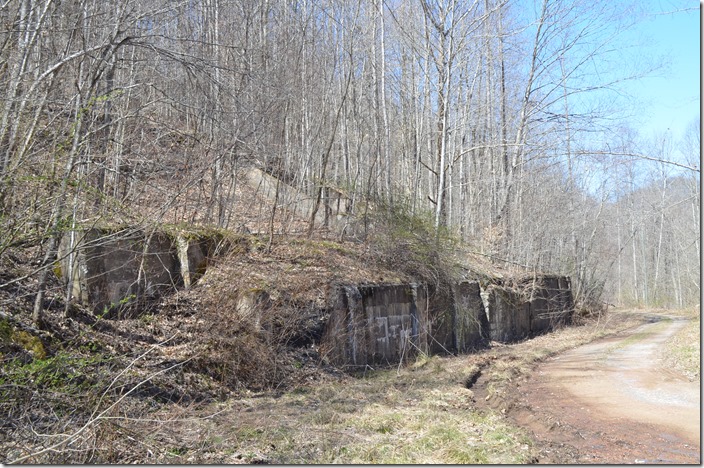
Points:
(682, 352)
(420, 413)
(229, 370)
(251, 323)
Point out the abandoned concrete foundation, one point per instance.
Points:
(116, 272)
(376, 324)
(387, 324)
(112, 271)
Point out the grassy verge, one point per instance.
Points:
(683, 350)
(421, 413)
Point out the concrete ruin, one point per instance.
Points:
(551, 302)
(383, 324)
(470, 322)
(387, 324)
(334, 206)
(115, 272)
(458, 320)
(110, 271)
(508, 314)
(376, 324)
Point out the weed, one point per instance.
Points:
(324, 417)
(62, 372)
(116, 306)
(421, 360)
(248, 433)
(6, 330)
(388, 424)
(344, 406)
(328, 245)
(177, 451)
(29, 342)
(466, 456)
(147, 319)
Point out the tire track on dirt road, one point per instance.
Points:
(613, 401)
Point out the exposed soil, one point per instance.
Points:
(611, 401)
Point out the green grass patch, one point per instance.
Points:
(63, 372)
(639, 336)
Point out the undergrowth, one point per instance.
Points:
(409, 242)
(417, 414)
(682, 351)
(63, 372)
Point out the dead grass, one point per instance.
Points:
(412, 415)
(301, 411)
(683, 350)
(420, 413)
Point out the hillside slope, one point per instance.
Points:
(252, 323)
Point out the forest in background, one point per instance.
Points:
(504, 122)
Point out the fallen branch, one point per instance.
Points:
(103, 414)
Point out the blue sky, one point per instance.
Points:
(670, 98)
(645, 70)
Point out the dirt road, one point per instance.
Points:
(613, 402)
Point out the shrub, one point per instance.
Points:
(409, 242)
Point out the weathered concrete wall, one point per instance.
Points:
(297, 202)
(334, 206)
(376, 324)
(194, 254)
(458, 319)
(385, 324)
(369, 324)
(110, 270)
(535, 306)
(508, 314)
(472, 325)
(441, 314)
(551, 302)
(251, 306)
